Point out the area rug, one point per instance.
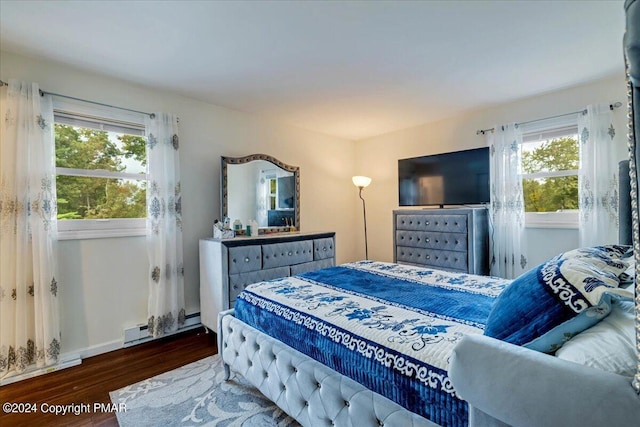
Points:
(197, 395)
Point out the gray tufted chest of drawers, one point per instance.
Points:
(446, 239)
(228, 266)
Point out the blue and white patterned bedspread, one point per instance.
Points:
(390, 327)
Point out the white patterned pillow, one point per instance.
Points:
(582, 278)
(608, 345)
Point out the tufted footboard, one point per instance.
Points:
(310, 392)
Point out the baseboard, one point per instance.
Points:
(67, 360)
(35, 372)
(94, 350)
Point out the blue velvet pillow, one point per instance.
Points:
(560, 298)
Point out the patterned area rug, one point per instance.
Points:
(196, 395)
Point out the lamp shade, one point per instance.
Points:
(361, 181)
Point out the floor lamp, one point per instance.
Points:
(361, 182)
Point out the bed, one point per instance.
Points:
(408, 359)
(389, 327)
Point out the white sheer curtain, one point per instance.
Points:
(164, 226)
(508, 243)
(598, 177)
(29, 317)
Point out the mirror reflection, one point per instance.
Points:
(260, 188)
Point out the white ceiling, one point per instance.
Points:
(350, 69)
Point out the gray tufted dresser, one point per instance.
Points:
(447, 239)
(228, 266)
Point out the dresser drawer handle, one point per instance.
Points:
(428, 257)
(246, 259)
(290, 253)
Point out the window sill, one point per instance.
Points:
(565, 225)
(565, 220)
(99, 234)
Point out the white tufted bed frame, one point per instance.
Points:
(310, 392)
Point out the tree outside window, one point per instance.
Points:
(101, 174)
(550, 173)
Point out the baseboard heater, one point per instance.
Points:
(140, 333)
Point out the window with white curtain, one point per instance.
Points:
(550, 164)
(101, 173)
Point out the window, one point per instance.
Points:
(550, 163)
(273, 184)
(100, 173)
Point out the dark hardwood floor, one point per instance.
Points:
(92, 381)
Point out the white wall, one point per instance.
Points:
(459, 133)
(103, 282)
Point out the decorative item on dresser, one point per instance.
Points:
(447, 239)
(228, 266)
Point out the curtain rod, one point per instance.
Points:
(611, 107)
(42, 93)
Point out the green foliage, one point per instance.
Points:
(555, 155)
(69, 215)
(86, 149)
(87, 197)
(551, 194)
(134, 146)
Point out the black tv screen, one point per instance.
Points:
(457, 178)
(286, 192)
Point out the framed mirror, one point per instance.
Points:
(261, 188)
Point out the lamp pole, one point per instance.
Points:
(364, 214)
(361, 182)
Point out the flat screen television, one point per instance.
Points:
(457, 178)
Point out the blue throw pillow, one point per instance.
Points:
(560, 298)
